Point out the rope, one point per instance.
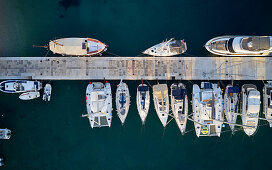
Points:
(113, 54)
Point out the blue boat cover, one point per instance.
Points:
(122, 101)
(234, 89)
(179, 93)
(207, 85)
(143, 88)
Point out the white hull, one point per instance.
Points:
(267, 107)
(19, 86)
(5, 133)
(179, 105)
(143, 101)
(122, 101)
(47, 92)
(161, 102)
(29, 95)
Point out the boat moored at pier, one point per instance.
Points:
(122, 101)
(19, 86)
(143, 101)
(29, 95)
(240, 45)
(47, 92)
(267, 103)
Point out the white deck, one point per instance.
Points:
(131, 68)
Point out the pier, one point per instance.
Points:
(136, 68)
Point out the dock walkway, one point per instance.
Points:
(132, 68)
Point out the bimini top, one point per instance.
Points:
(179, 94)
(234, 89)
(142, 88)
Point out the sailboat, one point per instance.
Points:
(122, 101)
(99, 104)
(168, 48)
(231, 104)
(207, 109)
(179, 105)
(250, 108)
(161, 102)
(267, 103)
(143, 101)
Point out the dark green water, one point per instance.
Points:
(54, 136)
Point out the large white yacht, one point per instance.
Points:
(267, 103)
(207, 109)
(240, 45)
(122, 101)
(19, 86)
(99, 104)
(231, 104)
(250, 108)
(77, 46)
(168, 48)
(143, 101)
(5, 133)
(179, 105)
(161, 102)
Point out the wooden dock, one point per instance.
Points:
(132, 68)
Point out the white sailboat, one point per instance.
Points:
(122, 101)
(47, 92)
(99, 104)
(207, 109)
(179, 104)
(168, 48)
(143, 101)
(231, 104)
(161, 102)
(267, 103)
(29, 95)
(250, 108)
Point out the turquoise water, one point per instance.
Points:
(54, 136)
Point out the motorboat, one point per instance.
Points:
(143, 101)
(19, 86)
(179, 105)
(208, 113)
(267, 103)
(122, 101)
(250, 108)
(240, 45)
(231, 104)
(99, 104)
(47, 92)
(29, 95)
(167, 48)
(161, 102)
(5, 133)
(77, 46)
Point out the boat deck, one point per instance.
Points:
(136, 68)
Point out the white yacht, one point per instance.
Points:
(179, 105)
(47, 92)
(168, 48)
(5, 133)
(143, 101)
(250, 108)
(161, 102)
(267, 103)
(77, 46)
(99, 104)
(19, 86)
(122, 101)
(207, 109)
(240, 45)
(29, 95)
(231, 104)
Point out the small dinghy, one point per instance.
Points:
(122, 101)
(5, 133)
(168, 48)
(47, 92)
(29, 95)
(143, 101)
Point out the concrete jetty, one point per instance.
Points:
(136, 68)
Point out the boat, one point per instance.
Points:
(19, 86)
(179, 105)
(207, 109)
(1, 161)
(143, 101)
(250, 108)
(122, 101)
(47, 92)
(99, 104)
(267, 103)
(167, 48)
(5, 133)
(29, 95)
(77, 46)
(231, 104)
(240, 45)
(161, 102)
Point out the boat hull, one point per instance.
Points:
(122, 101)
(143, 101)
(29, 95)
(19, 86)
